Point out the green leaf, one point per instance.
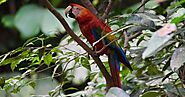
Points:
(177, 59)
(71, 88)
(85, 62)
(28, 20)
(151, 94)
(13, 84)
(56, 50)
(2, 82)
(2, 1)
(159, 40)
(139, 72)
(36, 60)
(4, 57)
(18, 50)
(101, 85)
(7, 61)
(153, 70)
(48, 59)
(92, 75)
(177, 3)
(15, 60)
(14, 64)
(32, 84)
(151, 4)
(55, 2)
(171, 88)
(177, 20)
(8, 21)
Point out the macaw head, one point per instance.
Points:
(78, 12)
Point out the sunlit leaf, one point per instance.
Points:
(169, 87)
(2, 1)
(28, 20)
(177, 3)
(177, 20)
(85, 62)
(3, 58)
(116, 92)
(177, 59)
(14, 61)
(32, 84)
(36, 60)
(14, 64)
(92, 75)
(48, 59)
(151, 94)
(100, 85)
(180, 12)
(151, 4)
(158, 40)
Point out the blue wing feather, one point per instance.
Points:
(96, 34)
(119, 53)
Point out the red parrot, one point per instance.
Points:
(93, 29)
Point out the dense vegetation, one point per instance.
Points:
(152, 34)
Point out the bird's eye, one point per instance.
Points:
(78, 8)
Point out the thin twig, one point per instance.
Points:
(105, 46)
(142, 9)
(143, 3)
(107, 10)
(111, 33)
(96, 58)
(128, 38)
(135, 35)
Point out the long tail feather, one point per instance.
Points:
(122, 58)
(121, 55)
(114, 65)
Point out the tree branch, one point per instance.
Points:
(107, 10)
(107, 76)
(89, 5)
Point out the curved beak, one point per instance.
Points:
(68, 10)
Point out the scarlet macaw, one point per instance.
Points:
(93, 29)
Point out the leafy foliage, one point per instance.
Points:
(2, 1)
(159, 73)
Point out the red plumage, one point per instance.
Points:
(93, 29)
